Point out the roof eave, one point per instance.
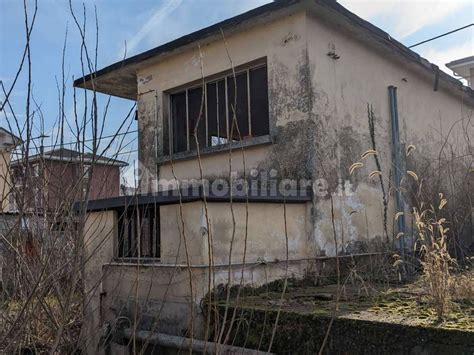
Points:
(119, 79)
(387, 42)
(35, 158)
(120, 84)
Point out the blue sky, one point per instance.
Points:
(141, 25)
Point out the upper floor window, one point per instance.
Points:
(212, 107)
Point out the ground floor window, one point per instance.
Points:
(139, 232)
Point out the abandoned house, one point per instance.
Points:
(53, 176)
(292, 91)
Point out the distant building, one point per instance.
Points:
(8, 141)
(55, 178)
(463, 68)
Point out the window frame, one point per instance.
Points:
(123, 254)
(170, 129)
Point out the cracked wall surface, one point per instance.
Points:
(318, 118)
(318, 129)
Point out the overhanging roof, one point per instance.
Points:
(194, 194)
(119, 79)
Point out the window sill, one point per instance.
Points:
(135, 261)
(249, 142)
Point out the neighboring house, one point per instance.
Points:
(306, 74)
(62, 176)
(464, 68)
(8, 142)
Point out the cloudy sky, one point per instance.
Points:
(140, 25)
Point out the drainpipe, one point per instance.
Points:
(398, 166)
(181, 343)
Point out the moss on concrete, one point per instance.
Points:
(396, 320)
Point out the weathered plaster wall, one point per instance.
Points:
(319, 128)
(341, 90)
(264, 232)
(318, 119)
(159, 294)
(216, 165)
(4, 179)
(279, 41)
(99, 233)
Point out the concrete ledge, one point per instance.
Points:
(245, 143)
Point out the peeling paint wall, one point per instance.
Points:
(5, 157)
(318, 118)
(265, 240)
(342, 89)
(318, 129)
(277, 41)
(159, 294)
(99, 232)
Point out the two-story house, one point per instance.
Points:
(57, 178)
(282, 100)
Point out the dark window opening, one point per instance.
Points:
(139, 232)
(259, 101)
(178, 107)
(219, 115)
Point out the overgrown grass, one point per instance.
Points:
(435, 259)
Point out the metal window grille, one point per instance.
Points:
(210, 109)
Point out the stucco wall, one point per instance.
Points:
(319, 128)
(278, 39)
(215, 165)
(4, 179)
(99, 233)
(318, 119)
(264, 232)
(158, 294)
(341, 90)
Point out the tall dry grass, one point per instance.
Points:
(430, 237)
(434, 254)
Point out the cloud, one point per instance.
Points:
(406, 17)
(154, 23)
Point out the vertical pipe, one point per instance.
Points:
(205, 110)
(397, 162)
(217, 108)
(227, 110)
(187, 120)
(249, 113)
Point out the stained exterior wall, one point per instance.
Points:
(4, 179)
(280, 39)
(318, 118)
(99, 233)
(159, 294)
(341, 90)
(318, 129)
